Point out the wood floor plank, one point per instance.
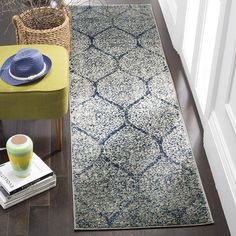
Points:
(18, 222)
(42, 199)
(42, 147)
(3, 223)
(59, 209)
(7, 36)
(39, 221)
(60, 161)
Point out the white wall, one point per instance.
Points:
(203, 33)
(173, 11)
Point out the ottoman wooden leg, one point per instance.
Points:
(58, 134)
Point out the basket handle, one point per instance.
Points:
(17, 22)
(65, 9)
(68, 13)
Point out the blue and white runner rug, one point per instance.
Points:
(132, 163)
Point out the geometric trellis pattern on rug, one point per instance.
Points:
(132, 162)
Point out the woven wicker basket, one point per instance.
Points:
(44, 25)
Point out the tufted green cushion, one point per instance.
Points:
(46, 99)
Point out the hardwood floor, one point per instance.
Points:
(51, 213)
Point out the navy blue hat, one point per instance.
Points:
(26, 66)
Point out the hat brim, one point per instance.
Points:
(8, 79)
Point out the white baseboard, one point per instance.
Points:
(222, 168)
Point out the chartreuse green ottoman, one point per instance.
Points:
(45, 99)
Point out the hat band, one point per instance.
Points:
(29, 77)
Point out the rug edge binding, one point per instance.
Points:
(145, 227)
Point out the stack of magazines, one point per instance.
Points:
(14, 189)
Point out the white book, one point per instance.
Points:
(32, 188)
(6, 203)
(13, 184)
